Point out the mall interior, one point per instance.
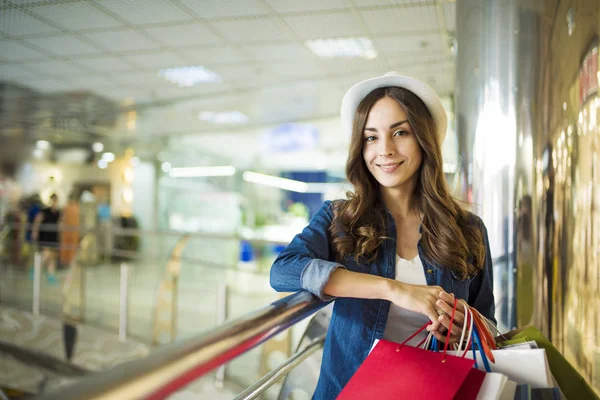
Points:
(186, 142)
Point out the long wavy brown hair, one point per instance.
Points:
(449, 237)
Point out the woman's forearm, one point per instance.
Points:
(344, 283)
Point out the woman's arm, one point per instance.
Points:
(417, 298)
(308, 261)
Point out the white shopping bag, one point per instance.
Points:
(524, 366)
(496, 386)
(492, 387)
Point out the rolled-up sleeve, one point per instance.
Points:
(308, 261)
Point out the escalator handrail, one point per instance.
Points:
(170, 367)
(37, 359)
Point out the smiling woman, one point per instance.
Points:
(400, 250)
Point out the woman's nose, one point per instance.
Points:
(386, 149)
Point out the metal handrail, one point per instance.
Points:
(282, 370)
(144, 232)
(171, 367)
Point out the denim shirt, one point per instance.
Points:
(308, 261)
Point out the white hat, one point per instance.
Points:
(358, 92)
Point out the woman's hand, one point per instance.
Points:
(446, 304)
(421, 299)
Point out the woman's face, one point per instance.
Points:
(391, 151)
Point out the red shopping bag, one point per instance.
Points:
(410, 373)
(396, 371)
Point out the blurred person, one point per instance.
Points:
(45, 232)
(105, 229)
(34, 205)
(398, 252)
(13, 234)
(69, 238)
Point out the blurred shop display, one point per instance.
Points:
(125, 244)
(290, 138)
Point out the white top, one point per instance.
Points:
(402, 323)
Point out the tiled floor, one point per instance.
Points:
(247, 291)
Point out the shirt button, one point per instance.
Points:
(430, 271)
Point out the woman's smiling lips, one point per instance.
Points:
(390, 167)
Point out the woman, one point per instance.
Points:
(69, 239)
(396, 252)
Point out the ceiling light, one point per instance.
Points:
(38, 153)
(360, 47)
(108, 157)
(97, 147)
(227, 117)
(188, 76)
(42, 144)
(102, 164)
(192, 172)
(276, 182)
(166, 166)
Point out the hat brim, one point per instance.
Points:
(428, 96)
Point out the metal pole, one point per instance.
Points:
(123, 303)
(221, 317)
(272, 377)
(37, 271)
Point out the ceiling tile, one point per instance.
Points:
(226, 8)
(146, 11)
(12, 50)
(90, 81)
(48, 85)
(372, 3)
(307, 70)
(184, 35)
(64, 45)
(250, 73)
(142, 79)
(105, 64)
(420, 58)
(326, 25)
(61, 69)
(295, 6)
(14, 71)
(450, 16)
(15, 23)
(214, 56)
(405, 19)
(345, 82)
(352, 65)
(410, 43)
(283, 51)
(256, 30)
(122, 40)
(76, 16)
(157, 60)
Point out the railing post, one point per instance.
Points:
(37, 272)
(123, 302)
(221, 317)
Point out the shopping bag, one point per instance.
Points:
(406, 374)
(496, 387)
(571, 383)
(397, 371)
(524, 366)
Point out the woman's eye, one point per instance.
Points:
(370, 138)
(401, 133)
